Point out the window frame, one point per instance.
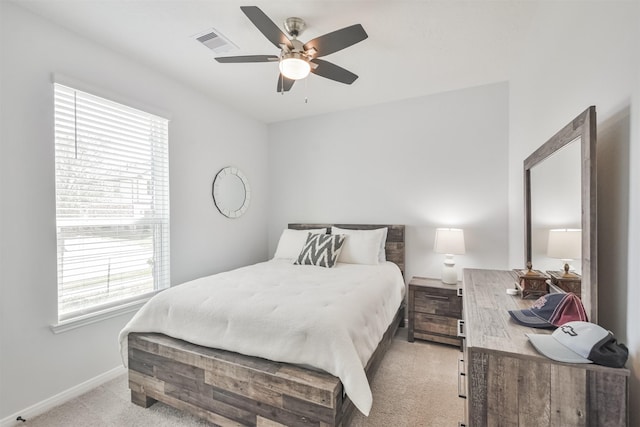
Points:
(102, 311)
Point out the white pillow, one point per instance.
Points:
(292, 241)
(382, 254)
(362, 246)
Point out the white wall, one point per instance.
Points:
(204, 137)
(580, 55)
(633, 288)
(426, 162)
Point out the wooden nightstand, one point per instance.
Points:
(434, 311)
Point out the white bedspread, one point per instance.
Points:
(328, 318)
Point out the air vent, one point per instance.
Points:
(215, 41)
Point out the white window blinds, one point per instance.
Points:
(112, 203)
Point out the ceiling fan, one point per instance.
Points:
(297, 60)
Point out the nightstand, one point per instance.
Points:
(434, 311)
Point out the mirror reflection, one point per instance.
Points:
(231, 192)
(556, 205)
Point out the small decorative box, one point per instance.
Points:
(568, 282)
(532, 283)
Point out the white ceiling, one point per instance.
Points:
(414, 48)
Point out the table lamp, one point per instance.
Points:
(449, 241)
(565, 244)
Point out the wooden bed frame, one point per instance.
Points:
(231, 389)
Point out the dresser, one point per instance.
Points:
(506, 382)
(434, 311)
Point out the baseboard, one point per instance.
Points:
(60, 398)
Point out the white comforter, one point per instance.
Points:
(328, 318)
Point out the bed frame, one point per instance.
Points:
(231, 389)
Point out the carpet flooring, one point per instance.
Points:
(415, 386)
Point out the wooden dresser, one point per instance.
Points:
(506, 382)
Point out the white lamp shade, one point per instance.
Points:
(294, 68)
(449, 241)
(565, 243)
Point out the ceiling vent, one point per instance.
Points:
(215, 41)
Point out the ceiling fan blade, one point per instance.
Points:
(336, 40)
(332, 71)
(284, 84)
(248, 58)
(266, 26)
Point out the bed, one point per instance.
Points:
(229, 388)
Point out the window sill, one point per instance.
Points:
(87, 319)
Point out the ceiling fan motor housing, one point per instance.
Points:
(294, 26)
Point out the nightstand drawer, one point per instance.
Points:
(430, 323)
(443, 302)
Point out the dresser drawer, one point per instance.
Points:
(443, 302)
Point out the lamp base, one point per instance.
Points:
(449, 273)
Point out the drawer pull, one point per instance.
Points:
(442, 297)
(459, 292)
(461, 377)
(461, 332)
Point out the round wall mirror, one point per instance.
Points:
(231, 192)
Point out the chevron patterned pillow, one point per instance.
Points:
(321, 250)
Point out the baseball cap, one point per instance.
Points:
(581, 342)
(551, 310)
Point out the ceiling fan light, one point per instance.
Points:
(294, 68)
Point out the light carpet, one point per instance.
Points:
(415, 386)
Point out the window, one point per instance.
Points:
(112, 203)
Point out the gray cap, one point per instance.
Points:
(581, 342)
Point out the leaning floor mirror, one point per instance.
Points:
(560, 209)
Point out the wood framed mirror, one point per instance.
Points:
(560, 193)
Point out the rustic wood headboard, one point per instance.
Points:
(394, 247)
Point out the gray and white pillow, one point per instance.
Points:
(321, 250)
